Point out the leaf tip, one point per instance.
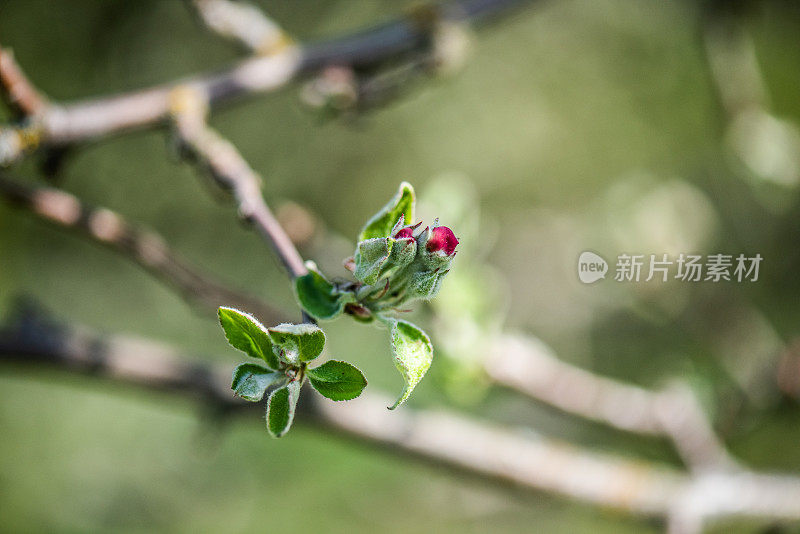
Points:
(406, 186)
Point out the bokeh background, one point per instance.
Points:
(574, 125)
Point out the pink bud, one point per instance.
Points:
(404, 233)
(442, 238)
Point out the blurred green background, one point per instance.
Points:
(580, 125)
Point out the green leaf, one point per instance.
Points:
(245, 333)
(380, 225)
(317, 296)
(250, 381)
(413, 354)
(297, 342)
(337, 380)
(280, 408)
(370, 256)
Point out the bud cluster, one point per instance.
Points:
(394, 264)
(406, 265)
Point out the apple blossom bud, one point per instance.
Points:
(442, 239)
(402, 266)
(404, 233)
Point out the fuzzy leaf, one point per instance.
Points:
(337, 380)
(280, 408)
(250, 381)
(246, 333)
(297, 342)
(317, 296)
(370, 257)
(413, 354)
(381, 224)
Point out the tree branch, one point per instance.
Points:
(144, 247)
(17, 90)
(525, 460)
(92, 119)
(208, 150)
(244, 23)
(529, 368)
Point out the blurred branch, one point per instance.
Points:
(525, 460)
(33, 339)
(732, 62)
(242, 22)
(18, 92)
(144, 247)
(69, 124)
(208, 150)
(530, 369)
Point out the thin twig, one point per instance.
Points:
(244, 23)
(526, 460)
(210, 151)
(144, 247)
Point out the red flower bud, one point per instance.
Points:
(404, 233)
(442, 238)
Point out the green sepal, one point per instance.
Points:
(380, 225)
(246, 333)
(401, 222)
(371, 255)
(337, 380)
(294, 343)
(281, 407)
(425, 285)
(317, 296)
(402, 254)
(434, 261)
(413, 354)
(382, 257)
(250, 381)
